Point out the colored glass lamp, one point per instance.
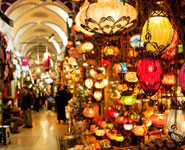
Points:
(131, 77)
(100, 132)
(136, 41)
(128, 100)
(97, 95)
(168, 79)
(111, 51)
(105, 63)
(157, 42)
(150, 75)
(158, 119)
(85, 47)
(139, 130)
(89, 83)
(182, 78)
(119, 138)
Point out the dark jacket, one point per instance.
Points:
(27, 101)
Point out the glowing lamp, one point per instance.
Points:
(131, 77)
(114, 17)
(158, 119)
(98, 95)
(156, 42)
(89, 112)
(85, 47)
(105, 63)
(180, 48)
(139, 130)
(92, 127)
(112, 112)
(100, 132)
(136, 41)
(122, 87)
(150, 75)
(93, 73)
(72, 61)
(121, 68)
(111, 50)
(128, 100)
(168, 79)
(119, 138)
(176, 124)
(120, 119)
(89, 83)
(111, 136)
(132, 52)
(128, 123)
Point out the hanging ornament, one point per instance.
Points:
(85, 47)
(131, 77)
(158, 119)
(89, 83)
(139, 130)
(98, 95)
(136, 41)
(111, 50)
(105, 63)
(128, 100)
(156, 42)
(168, 79)
(150, 75)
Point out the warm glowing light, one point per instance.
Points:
(38, 70)
(98, 95)
(89, 83)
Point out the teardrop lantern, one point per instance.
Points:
(150, 75)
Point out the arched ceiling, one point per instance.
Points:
(34, 23)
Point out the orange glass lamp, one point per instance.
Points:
(100, 132)
(158, 119)
(131, 77)
(89, 112)
(132, 52)
(139, 130)
(128, 100)
(122, 87)
(168, 79)
(111, 51)
(97, 95)
(89, 83)
(120, 119)
(111, 136)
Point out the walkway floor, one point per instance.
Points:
(43, 136)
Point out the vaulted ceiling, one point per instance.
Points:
(35, 21)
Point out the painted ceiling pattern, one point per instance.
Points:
(6, 3)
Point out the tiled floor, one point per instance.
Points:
(43, 136)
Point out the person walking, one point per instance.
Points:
(27, 101)
(37, 101)
(61, 99)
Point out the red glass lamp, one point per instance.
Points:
(158, 119)
(182, 78)
(105, 63)
(150, 75)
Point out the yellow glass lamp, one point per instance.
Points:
(100, 132)
(128, 100)
(98, 95)
(157, 32)
(85, 47)
(131, 77)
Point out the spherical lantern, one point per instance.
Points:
(85, 47)
(114, 17)
(72, 61)
(98, 95)
(128, 100)
(158, 119)
(128, 124)
(120, 119)
(150, 75)
(131, 77)
(132, 52)
(89, 83)
(168, 79)
(100, 132)
(182, 78)
(176, 124)
(121, 68)
(157, 33)
(111, 50)
(89, 112)
(119, 138)
(105, 63)
(139, 130)
(136, 41)
(111, 136)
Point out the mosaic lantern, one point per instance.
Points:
(111, 50)
(89, 112)
(128, 100)
(89, 83)
(168, 79)
(131, 77)
(150, 75)
(158, 119)
(105, 63)
(119, 138)
(85, 47)
(100, 132)
(136, 41)
(139, 130)
(128, 124)
(97, 95)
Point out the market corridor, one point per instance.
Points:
(43, 136)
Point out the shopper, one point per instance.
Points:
(27, 101)
(9, 118)
(61, 99)
(37, 101)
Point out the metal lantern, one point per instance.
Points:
(176, 122)
(150, 75)
(112, 17)
(157, 32)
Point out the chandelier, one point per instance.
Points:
(106, 17)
